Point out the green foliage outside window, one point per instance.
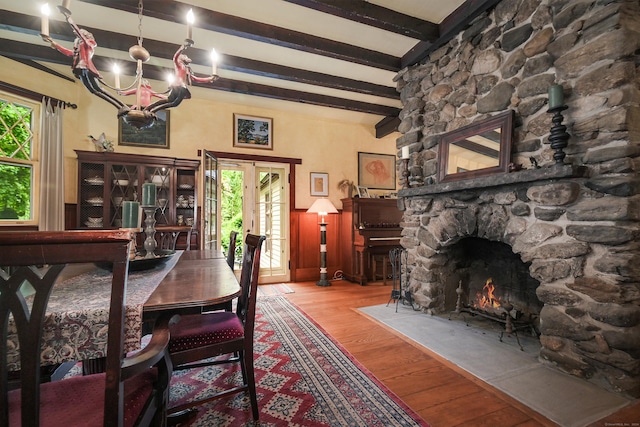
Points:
(15, 178)
(231, 207)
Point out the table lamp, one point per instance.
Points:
(323, 207)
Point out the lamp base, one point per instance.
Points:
(323, 282)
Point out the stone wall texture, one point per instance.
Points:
(579, 232)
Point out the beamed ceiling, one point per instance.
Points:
(339, 56)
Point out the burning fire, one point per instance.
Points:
(489, 300)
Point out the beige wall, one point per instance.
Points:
(205, 122)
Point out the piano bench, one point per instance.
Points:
(383, 259)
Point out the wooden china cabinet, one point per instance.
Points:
(105, 180)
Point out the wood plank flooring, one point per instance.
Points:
(441, 393)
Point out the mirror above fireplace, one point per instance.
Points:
(479, 149)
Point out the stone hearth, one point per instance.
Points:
(575, 225)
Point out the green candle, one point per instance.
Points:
(130, 214)
(556, 96)
(148, 194)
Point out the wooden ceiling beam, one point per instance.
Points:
(387, 126)
(258, 31)
(376, 16)
(451, 26)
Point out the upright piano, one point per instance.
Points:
(370, 227)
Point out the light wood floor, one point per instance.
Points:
(441, 393)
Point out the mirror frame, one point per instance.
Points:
(504, 121)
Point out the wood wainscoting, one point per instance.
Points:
(305, 246)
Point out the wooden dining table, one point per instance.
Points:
(78, 309)
(199, 280)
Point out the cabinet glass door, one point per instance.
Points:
(161, 177)
(123, 187)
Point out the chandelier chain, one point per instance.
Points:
(140, 7)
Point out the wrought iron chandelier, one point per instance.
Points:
(142, 114)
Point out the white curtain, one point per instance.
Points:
(51, 168)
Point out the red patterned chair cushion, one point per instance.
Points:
(79, 401)
(198, 330)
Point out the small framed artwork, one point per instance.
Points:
(377, 171)
(252, 132)
(156, 136)
(319, 184)
(363, 192)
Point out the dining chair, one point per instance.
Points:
(196, 338)
(231, 252)
(167, 237)
(132, 391)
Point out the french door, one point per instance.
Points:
(253, 197)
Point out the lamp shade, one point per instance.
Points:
(322, 207)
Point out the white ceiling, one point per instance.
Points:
(277, 13)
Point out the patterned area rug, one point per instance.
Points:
(303, 378)
(277, 289)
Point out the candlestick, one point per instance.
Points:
(405, 152)
(150, 231)
(130, 214)
(405, 172)
(44, 24)
(556, 96)
(148, 194)
(559, 138)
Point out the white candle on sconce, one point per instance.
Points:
(44, 23)
(405, 152)
(116, 72)
(214, 62)
(66, 3)
(190, 20)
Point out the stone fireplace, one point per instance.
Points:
(571, 229)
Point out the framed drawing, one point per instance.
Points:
(363, 192)
(377, 171)
(156, 136)
(252, 132)
(319, 184)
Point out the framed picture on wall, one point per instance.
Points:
(319, 184)
(377, 171)
(252, 132)
(156, 136)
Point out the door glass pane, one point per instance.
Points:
(210, 205)
(270, 206)
(231, 192)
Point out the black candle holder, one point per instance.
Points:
(559, 137)
(405, 173)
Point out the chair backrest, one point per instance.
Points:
(246, 307)
(231, 253)
(167, 237)
(23, 258)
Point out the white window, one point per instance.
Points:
(18, 159)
